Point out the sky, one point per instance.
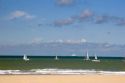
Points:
(35, 21)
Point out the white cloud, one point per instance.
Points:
(70, 41)
(64, 2)
(86, 14)
(60, 41)
(83, 40)
(20, 14)
(100, 19)
(63, 22)
(37, 40)
(121, 22)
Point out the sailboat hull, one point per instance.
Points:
(26, 59)
(96, 60)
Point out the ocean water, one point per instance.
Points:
(64, 64)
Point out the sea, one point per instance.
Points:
(47, 65)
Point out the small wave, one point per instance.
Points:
(59, 72)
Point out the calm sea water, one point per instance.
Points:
(64, 62)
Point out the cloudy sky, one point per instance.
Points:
(28, 21)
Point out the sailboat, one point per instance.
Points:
(87, 56)
(56, 58)
(25, 58)
(96, 59)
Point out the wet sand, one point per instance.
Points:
(62, 79)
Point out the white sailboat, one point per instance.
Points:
(96, 59)
(56, 58)
(87, 56)
(25, 58)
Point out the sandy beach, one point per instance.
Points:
(62, 79)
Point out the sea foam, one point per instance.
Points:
(59, 72)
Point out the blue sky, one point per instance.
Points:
(28, 21)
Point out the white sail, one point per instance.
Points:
(56, 58)
(25, 57)
(87, 56)
(96, 59)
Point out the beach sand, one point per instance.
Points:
(62, 79)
